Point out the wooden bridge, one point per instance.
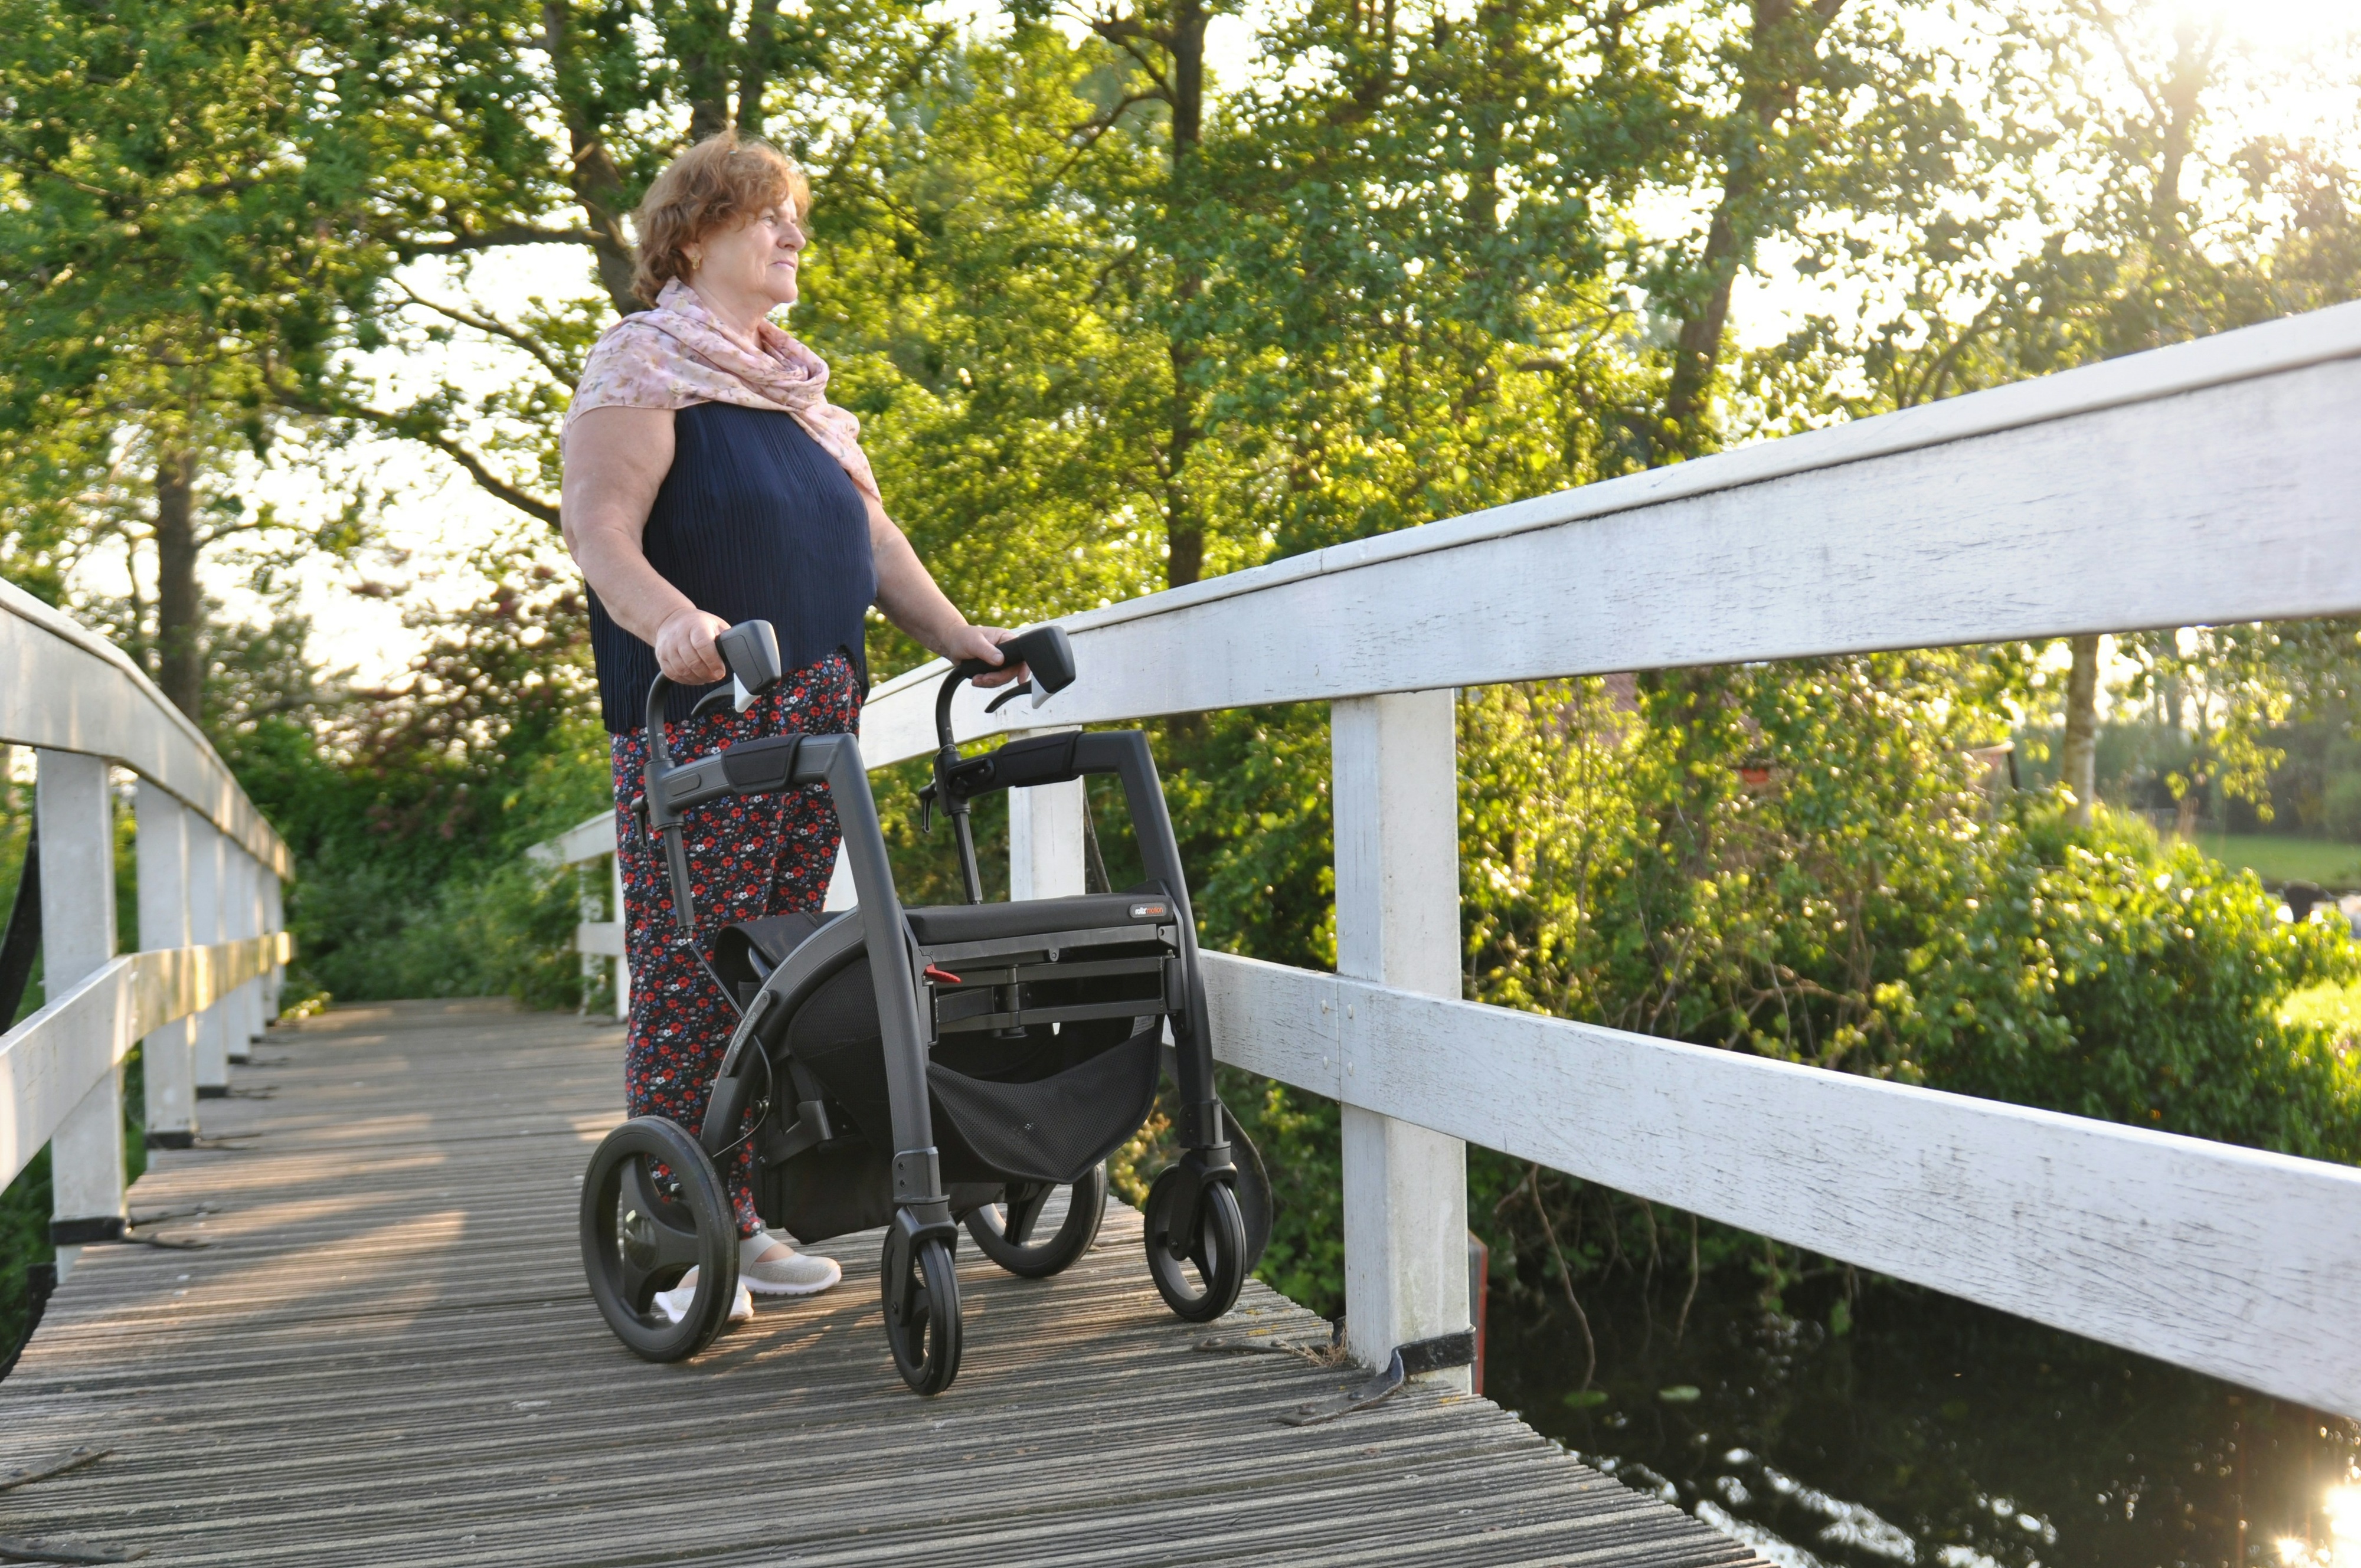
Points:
(362, 1337)
(384, 1354)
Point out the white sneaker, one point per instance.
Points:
(673, 1303)
(771, 1267)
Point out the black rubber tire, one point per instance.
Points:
(638, 1240)
(1030, 1259)
(1217, 1250)
(926, 1343)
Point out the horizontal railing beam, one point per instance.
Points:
(2234, 1262)
(57, 1055)
(68, 689)
(586, 840)
(2209, 482)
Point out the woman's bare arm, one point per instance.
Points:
(616, 459)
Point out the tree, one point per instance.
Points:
(177, 244)
(511, 127)
(1814, 124)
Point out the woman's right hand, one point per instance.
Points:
(684, 650)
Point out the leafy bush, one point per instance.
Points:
(1801, 862)
(2099, 975)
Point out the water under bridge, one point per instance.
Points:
(342, 1318)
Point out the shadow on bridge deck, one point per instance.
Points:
(384, 1354)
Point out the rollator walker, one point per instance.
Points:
(922, 1068)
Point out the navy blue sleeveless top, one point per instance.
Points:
(755, 522)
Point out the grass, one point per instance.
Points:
(2278, 859)
(2338, 1006)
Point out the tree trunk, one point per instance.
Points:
(703, 48)
(755, 80)
(1184, 527)
(1697, 353)
(180, 612)
(596, 183)
(1781, 57)
(2185, 810)
(2080, 753)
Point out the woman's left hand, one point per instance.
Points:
(984, 642)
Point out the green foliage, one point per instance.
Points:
(1797, 860)
(409, 809)
(2096, 974)
(24, 1243)
(2336, 1008)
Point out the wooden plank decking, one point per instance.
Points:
(384, 1354)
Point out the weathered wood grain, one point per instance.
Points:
(385, 1356)
(2230, 1261)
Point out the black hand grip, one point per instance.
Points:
(751, 648)
(1046, 649)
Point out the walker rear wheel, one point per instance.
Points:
(654, 1208)
(1005, 1233)
(922, 1311)
(1215, 1251)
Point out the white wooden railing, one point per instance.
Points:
(197, 995)
(2212, 482)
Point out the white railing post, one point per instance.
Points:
(170, 1054)
(840, 894)
(1045, 840)
(274, 920)
(77, 826)
(1395, 795)
(208, 874)
(242, 1019)
(622, 925)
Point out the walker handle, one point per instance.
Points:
(751, 648)
(1046, 650)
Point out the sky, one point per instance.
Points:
(434, 518)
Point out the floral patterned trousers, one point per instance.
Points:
(748, 858)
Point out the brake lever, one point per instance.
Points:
(926, 810)
(1005, 698)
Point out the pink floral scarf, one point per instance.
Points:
(678, 354)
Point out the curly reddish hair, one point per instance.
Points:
(722, 181)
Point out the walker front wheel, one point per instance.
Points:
(922, 1311)
(652, 1209)
(1214, 1250)
(1005, 1232)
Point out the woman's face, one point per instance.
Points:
(758, 259)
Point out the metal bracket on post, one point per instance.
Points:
(1444, 1353)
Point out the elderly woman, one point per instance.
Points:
(709, 480)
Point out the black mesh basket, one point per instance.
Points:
(1024, 1103)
